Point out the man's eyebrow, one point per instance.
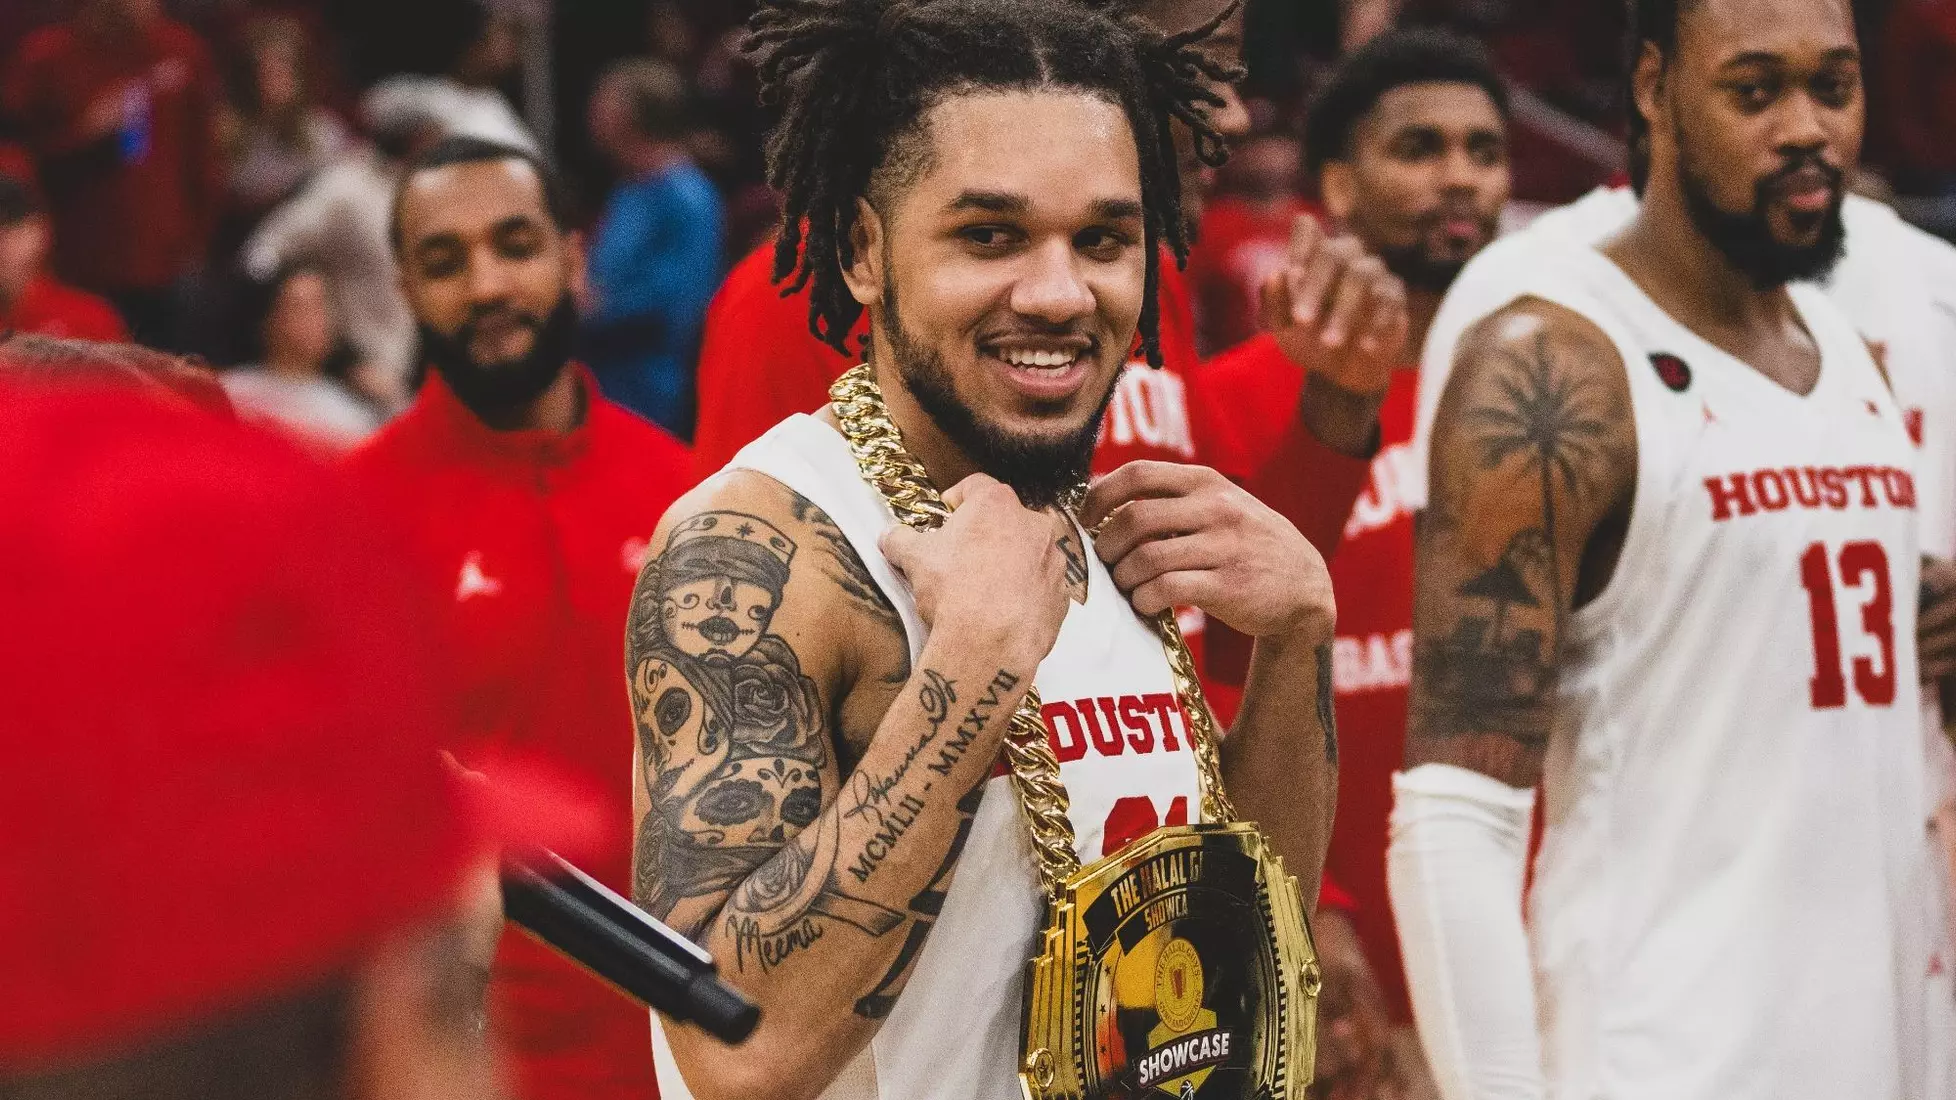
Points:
(438, 240)
(1768, 58)
(1118, 210)
(992, 202)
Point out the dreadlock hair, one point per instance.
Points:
(1653, 22)
(856, 79)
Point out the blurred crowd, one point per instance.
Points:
(213, 176)
(218, 178)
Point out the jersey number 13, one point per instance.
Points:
(1863, 566)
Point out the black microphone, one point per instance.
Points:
(575, 915)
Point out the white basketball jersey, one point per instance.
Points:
(1115, 722)
(1897, 286)
(1726, 905)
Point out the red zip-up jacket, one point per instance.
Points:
(535, 540)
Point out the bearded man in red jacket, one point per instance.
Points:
(534, 498)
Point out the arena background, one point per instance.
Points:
(1563, 58)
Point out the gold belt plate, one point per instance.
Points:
(1181, 966)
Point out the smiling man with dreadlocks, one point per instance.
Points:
(887, 734)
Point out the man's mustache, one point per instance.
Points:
(1803, 164)
(1457, 211)
(478, 317)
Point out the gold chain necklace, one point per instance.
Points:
(877, 445)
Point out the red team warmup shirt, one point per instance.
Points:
(1242, 242)
(536, 540)
(1372, 576)
(50, 307)
(759, 365)
(133, 211)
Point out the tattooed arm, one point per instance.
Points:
(757, 640)
(1533, 468)
(1181, 536)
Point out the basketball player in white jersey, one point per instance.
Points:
(1666, 570)
(1897, 284)
(822, 693)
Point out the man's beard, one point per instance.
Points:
(1420, 267)
(503, 388)
(1746, 239)
(1041, 471)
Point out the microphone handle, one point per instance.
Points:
(578, 917)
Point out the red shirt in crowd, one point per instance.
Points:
(50, 307)
(1242, 242)
(1372, 576)
(134, 209)
(759, 365)
(535, 540)
(1915, 87)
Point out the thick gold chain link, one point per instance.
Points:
(878, 447)
(1203, 735)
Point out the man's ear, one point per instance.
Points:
(577, 267)
(1647, 85)
(865, 273)
(1338, 187)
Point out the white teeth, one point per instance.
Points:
(1020, 357)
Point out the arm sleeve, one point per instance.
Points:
(1455, 865)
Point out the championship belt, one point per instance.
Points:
(1179, 966)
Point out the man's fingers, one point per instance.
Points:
(1939, 617)
(1182, 588)
(1306, 240)
(1273, 302)
(1147, 520)
(1349, 302)
(1936, 669)
(1140, 480)
(1155, 557)
(955, 496)
(1930, 639)
(899, 545)
(1142, 521)
(1935, 648)
(1306, 237)
(1310, 284)
(1388, 325)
